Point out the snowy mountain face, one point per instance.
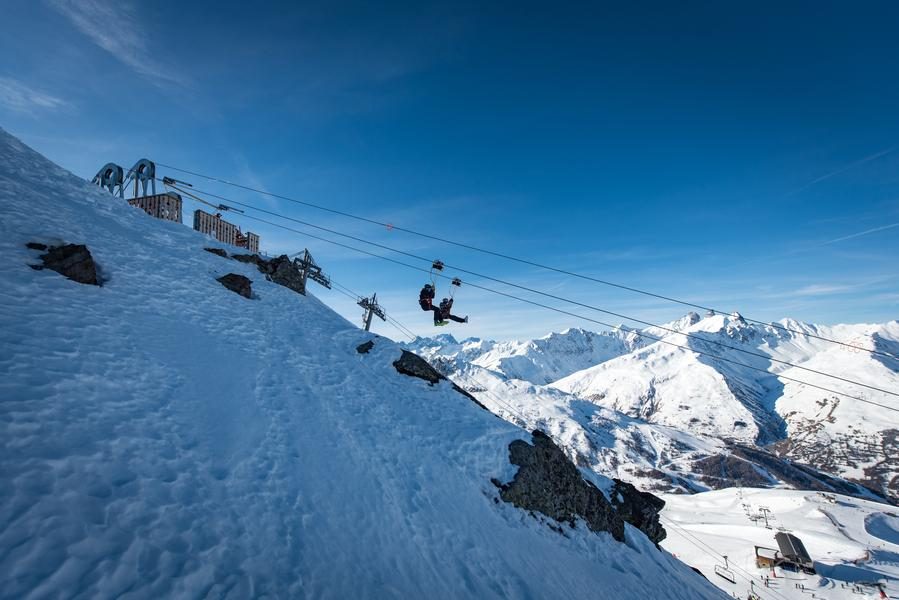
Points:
(163, 436)
(743, 405)
(653, 457)
(677, 387)
(539, 361)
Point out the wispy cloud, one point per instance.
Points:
(843, 169)
(811, 247)
(860, 234)
(822, 290)
(116, 28)
(21, 98)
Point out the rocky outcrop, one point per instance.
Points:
(73, 261)
(415, 366)
(280, 270)
(365, 347)
(548, 483)
(217, 252)
(254, 259)
(640, 509)
(238, 284)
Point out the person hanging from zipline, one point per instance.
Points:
(444, 310)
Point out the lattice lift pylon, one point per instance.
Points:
(372, 309)
(306, 264)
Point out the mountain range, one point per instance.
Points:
(715, 394)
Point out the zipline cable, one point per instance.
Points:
(540, 305)
(575, 315)
(524, 261)
(541, 293)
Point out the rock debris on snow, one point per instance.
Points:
(239, 284)
(73, 261)
(217, 252)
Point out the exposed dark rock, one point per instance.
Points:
(36, 246)
(252, 259)
(364, 348)
(548, 483)
(73, 261)
(217, 251)
(415, 366)
(282, 271)
(640, 509)
(237, 284)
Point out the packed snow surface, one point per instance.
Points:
(852, 542)
(161, 436)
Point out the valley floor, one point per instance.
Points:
(854, 543)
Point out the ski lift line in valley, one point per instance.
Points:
(392, 227)
(575, 315)
(709, 551)
(435, 272)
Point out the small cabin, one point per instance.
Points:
(766, 558)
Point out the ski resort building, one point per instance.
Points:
(162, 206)
(792, 554)
(793, 551)
(766, 558)
(224, 231)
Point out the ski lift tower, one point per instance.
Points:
(310, 270)
(372, 308)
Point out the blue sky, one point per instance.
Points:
(744, 157)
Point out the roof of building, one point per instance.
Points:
(792, 548)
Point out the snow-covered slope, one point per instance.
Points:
(161, 436)
(854, 543)
(680, 388)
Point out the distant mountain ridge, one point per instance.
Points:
(746, 402)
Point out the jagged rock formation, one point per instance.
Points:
(415, 366)
(640, 509)
(280, 270)
(73, 261)
(238, 284)
(548, 483)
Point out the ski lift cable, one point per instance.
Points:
(405, 330)
(435, 273)
(524, 261)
